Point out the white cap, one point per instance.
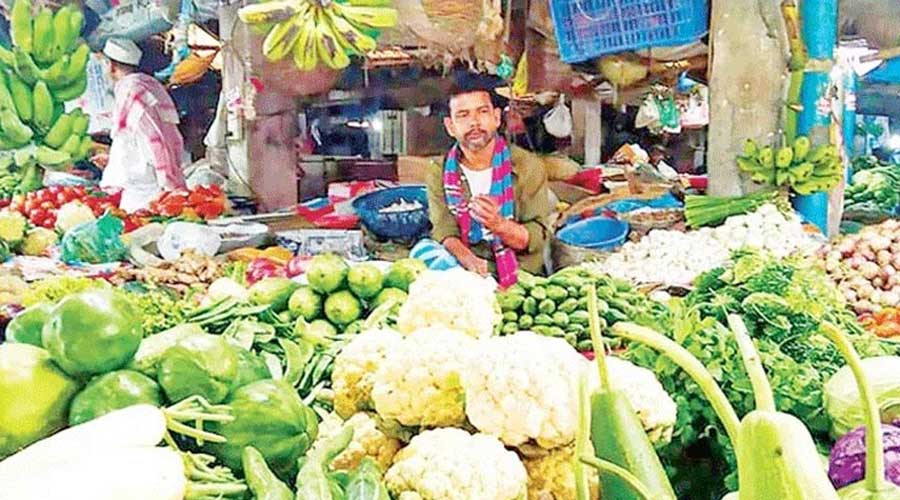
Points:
(123, 51)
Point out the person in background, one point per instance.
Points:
(488, 202)
(146, 152)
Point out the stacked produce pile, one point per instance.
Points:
(677, 258)
(558, 306)
(783, 303)
(866, 267)
(874, 187)
(198, 203)
(433, 410)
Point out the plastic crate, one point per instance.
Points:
(591, 28)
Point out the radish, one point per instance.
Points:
(132, 473)
(135, 426)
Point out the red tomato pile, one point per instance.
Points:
(40, 207)
(202, 202)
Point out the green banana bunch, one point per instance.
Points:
(314, 34)
(20, 27)
(21, 97)
(43, 37)
(43, 107)
(799, 165)
(13, 128)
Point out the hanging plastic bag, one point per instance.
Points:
(96, 242)
(558, 121)
(648, 114)
(181, 236)
(669, 115)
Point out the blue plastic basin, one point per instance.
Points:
(596, 233)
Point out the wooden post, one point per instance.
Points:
(748, 73)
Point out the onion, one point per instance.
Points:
(856, 261)
(869, 270)
(864, 292)
(878, 282)
(895, 261)
(895, 247)
(883, 257)
(846, 246)
(879, 242)
(850, 295)
(893, 280)
(864, 306)
(877, 297)
(890, 298)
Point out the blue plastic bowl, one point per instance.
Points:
(596, 233)
(408, 226)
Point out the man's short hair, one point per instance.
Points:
(468, 83)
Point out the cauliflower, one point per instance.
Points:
(419, 382)
(524, 387)
(551, 475)
(368, 441)
(354, 370)
(451, 464)
(12, 226)
(38, 240)
(73, 214)
(454, 299)
(654, 406)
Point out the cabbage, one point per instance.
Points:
(844, 404)
(72, 214)
(847, 461)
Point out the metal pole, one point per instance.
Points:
(818, 26)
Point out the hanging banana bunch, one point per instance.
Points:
(45, 68)
(806, 169)
(319, 31)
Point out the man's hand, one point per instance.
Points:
(476, 265)
(100, 159)
(487, 212)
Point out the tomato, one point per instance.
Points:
(48, 205)
(197, 198)
(210, 210)
(31, 205)
(37, 216)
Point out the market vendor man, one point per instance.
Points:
(147, 147)
(489, 201)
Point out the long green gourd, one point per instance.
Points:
(618, 437)
(775, 452)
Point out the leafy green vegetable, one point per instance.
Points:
(783, 304)
(52, 290)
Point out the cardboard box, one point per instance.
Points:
(412, 169)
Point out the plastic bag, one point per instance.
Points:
(558, 121)
(96, 242)
(181, 236)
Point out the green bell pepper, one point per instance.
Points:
(152, 348)
(269, 416)
(203, 365)
(113, 391)
(92, 332)
(26, 327)
(250, 368)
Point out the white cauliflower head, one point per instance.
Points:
(368, 441)
(451, 464)
(654, 406)
(551, 475)
(455, 299)
(523, 388)
(354, 370)
(419, 382)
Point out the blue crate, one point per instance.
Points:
(590, 28)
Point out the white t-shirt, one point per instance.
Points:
(479, 180)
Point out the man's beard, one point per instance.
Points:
(476, 140)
